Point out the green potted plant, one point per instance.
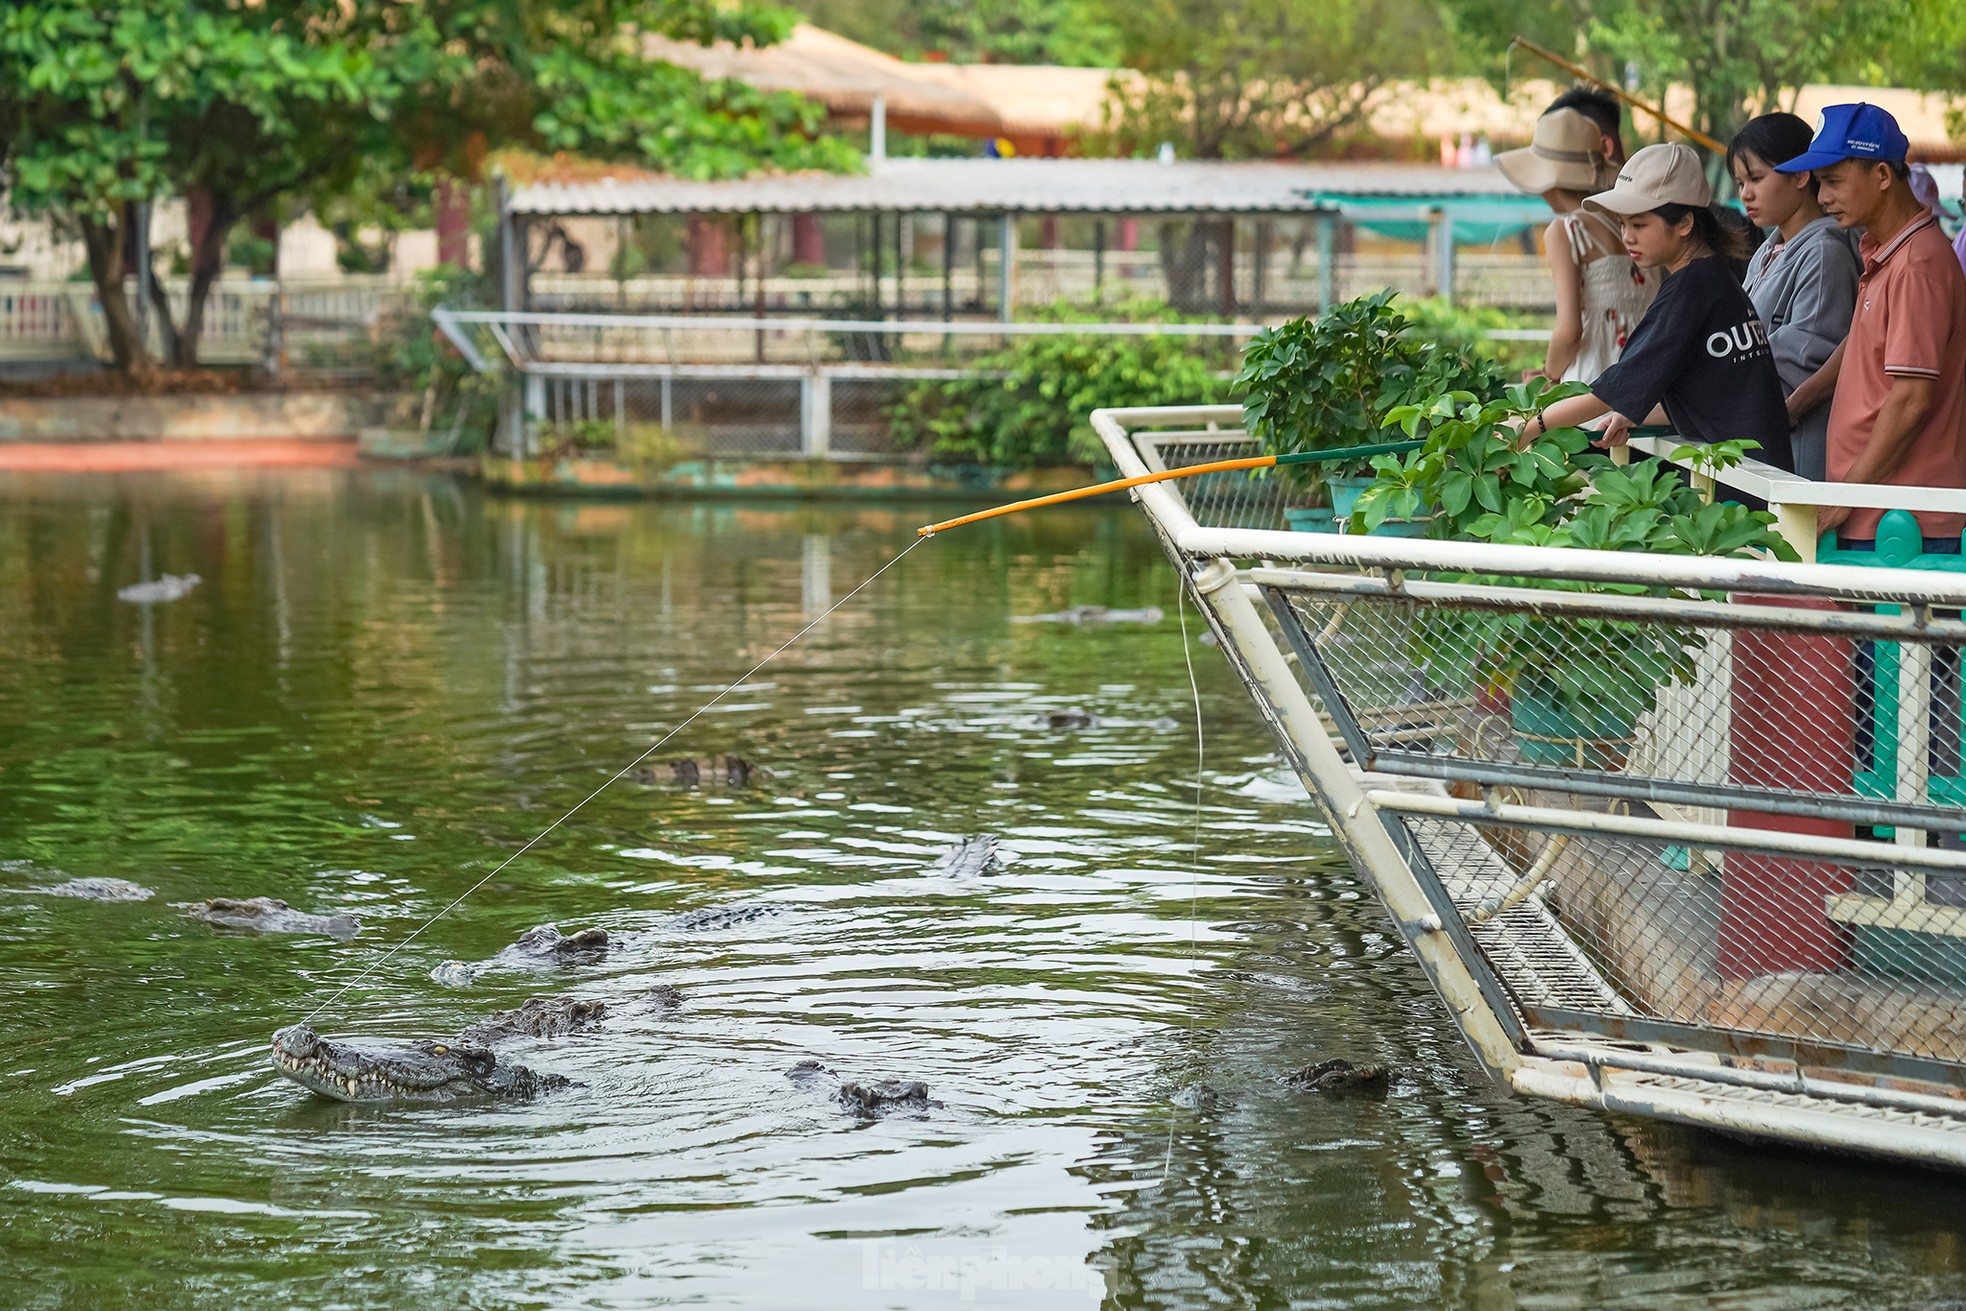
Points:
(1575, 688)
(1327, 383)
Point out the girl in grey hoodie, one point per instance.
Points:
(1803, 280)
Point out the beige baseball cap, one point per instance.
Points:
(1566, 153)
(1655, 176)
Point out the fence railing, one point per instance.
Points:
(52, 321)
(743, 387)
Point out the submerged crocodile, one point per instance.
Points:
(1341, 1078)
(98, 890)
(972, 856)
(541, 947)
(729, 771)
(373, 1071)
(723, 917)
(159, 591)
(866, 1101)
(269, 915)
(1095, 614)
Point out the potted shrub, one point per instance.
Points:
(1575, 688)
(1328, 383)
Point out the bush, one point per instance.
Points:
(413, 355)
(1328, 383)
(1030, 408)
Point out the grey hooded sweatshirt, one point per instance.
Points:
(1805, 291)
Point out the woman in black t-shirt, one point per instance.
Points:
(1700, 354)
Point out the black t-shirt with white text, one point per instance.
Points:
(1702, 351)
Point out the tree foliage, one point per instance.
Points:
(250, 110)
(1739, 57)
(1258, 79)
(1072, 32)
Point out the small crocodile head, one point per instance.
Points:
(389, 1072)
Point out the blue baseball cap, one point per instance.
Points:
(1861, 131)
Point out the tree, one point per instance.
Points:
(1739, 58)
(1073, 32)
(248, 110)
(1257, 79)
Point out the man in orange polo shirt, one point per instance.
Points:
(1899, 417)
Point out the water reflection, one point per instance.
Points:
(386, 684)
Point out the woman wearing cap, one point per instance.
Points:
(1701, 352)
(1803, 281)
(1600, 293)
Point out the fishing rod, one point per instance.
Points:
(1583, 74)
(1187, 471)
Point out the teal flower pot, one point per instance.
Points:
(1551, 734)
(1315, 519)
(1345, 493)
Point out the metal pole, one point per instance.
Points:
(1327, 255)
(1099, 259)
(510, 293)
(1007, 267)
(948, 267)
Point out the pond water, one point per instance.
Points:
(386, 684)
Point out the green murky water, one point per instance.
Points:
(384, 685)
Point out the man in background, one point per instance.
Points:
(1899, 414)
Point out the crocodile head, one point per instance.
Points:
(400, 1072)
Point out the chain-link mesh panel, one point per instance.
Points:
(1824, 953)
(860, 423)
(1783, 740)
(1237, 499)
(660, 420)
(1783, 711)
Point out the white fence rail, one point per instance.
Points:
(54, 321)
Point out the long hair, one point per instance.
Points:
(1725, 242)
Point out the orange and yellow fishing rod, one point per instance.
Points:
(1187, 471)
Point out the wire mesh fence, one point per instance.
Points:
(1734, 818)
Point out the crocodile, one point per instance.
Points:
(536, 948)
(866, 1101)
(1095, 614)
(99, 890)
(465, 1066)
(723, 917)
(1201, 1097)
(269, 915)
(972, 856)
(369, 1071)
(560, 1017)
(727, 771)
(1341, 1078)
(159, 591)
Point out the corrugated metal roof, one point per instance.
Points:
(991, 186)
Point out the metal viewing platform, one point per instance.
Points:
(1675, 836)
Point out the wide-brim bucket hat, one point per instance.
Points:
(1656, 176)
(1566, 154)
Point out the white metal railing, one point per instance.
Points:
(62, 320)
(1786, 964)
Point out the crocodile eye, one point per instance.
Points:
(438, 1049)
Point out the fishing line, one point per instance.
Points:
(1194, 853)
(652, 749)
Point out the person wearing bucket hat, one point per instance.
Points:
(1600, 293)
(1898, 413)
(1700, 354)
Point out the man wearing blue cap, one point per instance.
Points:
(1899, 415)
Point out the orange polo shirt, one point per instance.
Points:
(1910, 321)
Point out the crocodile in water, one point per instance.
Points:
(269, 915)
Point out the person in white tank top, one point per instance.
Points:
(1600, 293)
